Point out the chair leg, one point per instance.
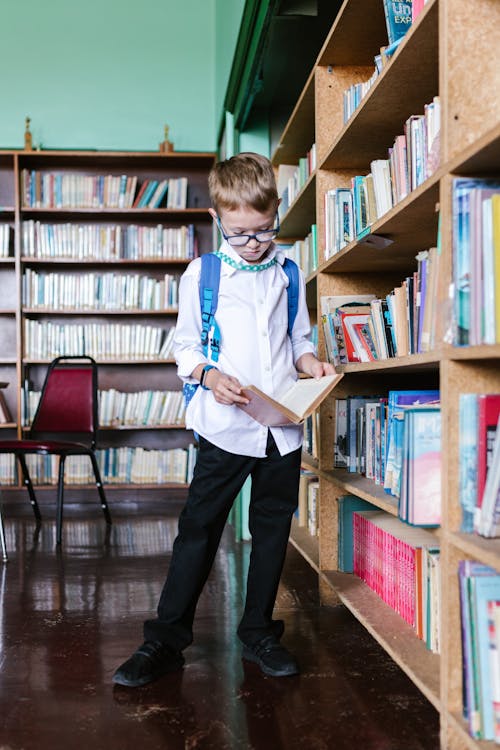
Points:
(29, 486)
(60, 500)
(100, 489)
(2, 539)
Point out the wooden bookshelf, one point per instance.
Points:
(433, 59)
(127, 374)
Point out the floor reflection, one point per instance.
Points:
(68, 617)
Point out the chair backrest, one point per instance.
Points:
(69, 398)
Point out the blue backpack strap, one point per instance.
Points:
(292, 271)
(209, 296)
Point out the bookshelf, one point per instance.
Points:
(445, 52)
(101, 272)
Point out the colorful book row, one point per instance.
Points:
(99, 291)
(414, 157)
(108, 242)
(401, 565)
(396, 442)
(123, 465)
(480, 620)
(72, 191)
(46, 340)
(479, 460)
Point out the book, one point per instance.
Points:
(347, 505)
(488, 522)
(488, 414)
(293, 406)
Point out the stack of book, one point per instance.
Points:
(99, 291)
(363, 328)
(292, 178)
(480, 617)
(476, 261)
(351, 210)
(125, 465)
(401, 565)
(47, 340)
(5, 232)
(141, 408)
(396, 442)
(108, 242)
(479, 447)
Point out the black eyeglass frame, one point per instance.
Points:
(228, 237)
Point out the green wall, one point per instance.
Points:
(106, 74)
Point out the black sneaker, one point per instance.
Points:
(272, 657)
(151, 660)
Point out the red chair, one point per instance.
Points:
(67, 408)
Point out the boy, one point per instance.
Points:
(252, 316)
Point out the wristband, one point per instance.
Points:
(203, 375)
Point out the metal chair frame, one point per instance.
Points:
(63, 449)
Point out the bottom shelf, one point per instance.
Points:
(306, 544)
(459, 737)
(395, 636)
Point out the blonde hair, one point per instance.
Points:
(246, 179)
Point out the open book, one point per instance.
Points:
(294, 406)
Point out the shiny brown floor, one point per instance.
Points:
(68, 619)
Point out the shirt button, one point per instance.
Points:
(267, 368)
(264, 333)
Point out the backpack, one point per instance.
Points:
(209, 294)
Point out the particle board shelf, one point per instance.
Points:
(306, 544)
(396, 637)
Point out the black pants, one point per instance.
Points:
(218, 477)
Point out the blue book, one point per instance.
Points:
(397, 19)
(396, 402)
(146, 196)
(467, 570)
(467, 447)
(420, 498)
(347, 505)
(484, 589)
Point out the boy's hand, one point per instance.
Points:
(226, 389)
(310, 365)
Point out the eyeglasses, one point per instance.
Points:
(238, 240)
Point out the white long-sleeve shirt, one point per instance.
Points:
(252, 315)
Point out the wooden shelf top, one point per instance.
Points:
(471, 353)
(299, 132)
(413, 223)
(302, 212)
(51, 311)
(351, 42)
(143, 213)
(412, 362)
(397, 94)
(27, 260)
(481, 158)
(356, 484)
(308, 462)
(140, 427)
(50, 158)
(396, 637)
(119, 362)
(307, 545)
(483, 550)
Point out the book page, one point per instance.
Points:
(306, 392)
(296, 404)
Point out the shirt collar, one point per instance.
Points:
(274, 252)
